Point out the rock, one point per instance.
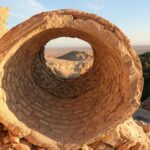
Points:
(146, 104)
(140, 146)
(5, 129)
(142, 114)
(145, 127)
(22, 147)
(85, 147)
(41, 148)
(6, 140)
(24, 141)
(14, 139)
(1, 141)
(101, 146)
(125, 136)
(1, 127)
(6, 147)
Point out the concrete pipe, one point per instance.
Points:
(64, 113)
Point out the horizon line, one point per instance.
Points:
(88, 46)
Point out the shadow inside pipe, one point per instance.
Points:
(34, 95)
(69, 110)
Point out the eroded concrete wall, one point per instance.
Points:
(61, 114)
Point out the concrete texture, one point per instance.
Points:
(65, 114)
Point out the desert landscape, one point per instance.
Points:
(71, 64)
(75, 98)
(140, 49)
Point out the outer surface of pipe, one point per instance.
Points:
(58, 113)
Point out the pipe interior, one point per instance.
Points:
(66, 110)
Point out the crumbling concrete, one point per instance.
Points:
(67, 114)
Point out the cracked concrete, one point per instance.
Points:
(65, 114)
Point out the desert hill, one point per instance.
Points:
(70, 65)
(77, 56)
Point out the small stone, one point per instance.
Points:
(1, 127)
(85, 147)
(14, 139)
(6, 140)
(40, 148)
(5, 129)
(21, 147)
(6, 147)
(25, 142)
(1, 141)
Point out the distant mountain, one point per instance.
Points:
(77, 56)
(70, 65)
(59, 51)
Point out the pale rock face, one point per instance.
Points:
(3, 16)
(127, 136)
(22, 147)
(145, 126)
(70, 68)
(67, 114)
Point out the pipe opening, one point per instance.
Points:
(53, 106)
(49, 110)
(68, 57)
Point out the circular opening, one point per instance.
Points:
(68, 57)
(66, 111)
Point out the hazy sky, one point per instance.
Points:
(132, 16)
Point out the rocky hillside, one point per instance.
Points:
(145, 59)
(77, 56)
(71, 65)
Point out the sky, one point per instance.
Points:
(131, 16)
